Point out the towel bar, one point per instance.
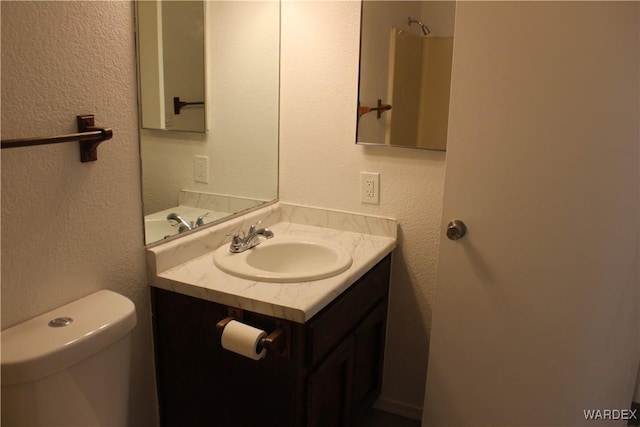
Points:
(177, 104)
(89, 136)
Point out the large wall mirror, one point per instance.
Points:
(221, 159)
(406, 51)
(171, 41)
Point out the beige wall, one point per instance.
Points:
(320, 165)
(72, 228)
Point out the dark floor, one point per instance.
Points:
(378, 418)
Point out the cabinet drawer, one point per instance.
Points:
(329, 327)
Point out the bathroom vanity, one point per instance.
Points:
(325, 368)
(328, 372)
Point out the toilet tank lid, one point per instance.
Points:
(34, 350)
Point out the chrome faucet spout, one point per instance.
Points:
(264, 232)
(183, 223)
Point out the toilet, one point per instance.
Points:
(70, 366)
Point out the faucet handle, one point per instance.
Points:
(252, 228)
(200, 219)
(236, 242)
(235, 237)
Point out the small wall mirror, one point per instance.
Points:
(406, 51)
(207, 177)
(171, 65)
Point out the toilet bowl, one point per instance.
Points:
(70, 366)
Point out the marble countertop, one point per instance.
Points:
(367, 239)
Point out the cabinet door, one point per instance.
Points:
(369, 358)
(189, 379)
(330, 389)
(202, 384)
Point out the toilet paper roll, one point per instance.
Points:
(243, 339)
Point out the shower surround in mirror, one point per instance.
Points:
(406, 50)
(241, 145)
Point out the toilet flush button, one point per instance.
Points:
(60, 322)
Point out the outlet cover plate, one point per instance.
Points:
(370, 187)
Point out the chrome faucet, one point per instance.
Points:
(200, 220)
(184, 224)
(248, 240)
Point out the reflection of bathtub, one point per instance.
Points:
(156, 226)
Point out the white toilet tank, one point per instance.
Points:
(61, 372)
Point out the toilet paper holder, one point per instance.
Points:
(275, 341)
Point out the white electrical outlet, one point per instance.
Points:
(370, 187)
(201, 169)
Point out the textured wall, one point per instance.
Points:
(320, 166)
(71, 228)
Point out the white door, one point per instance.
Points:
(536, 311)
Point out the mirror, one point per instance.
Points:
(171, 65)
(232, 167)
(406, 50)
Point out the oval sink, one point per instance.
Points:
(285, 259)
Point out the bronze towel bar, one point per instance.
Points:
(88, 135)
(178, 105)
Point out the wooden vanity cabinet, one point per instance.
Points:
(329, 374)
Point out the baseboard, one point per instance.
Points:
(399, 408)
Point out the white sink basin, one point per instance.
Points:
(285, 259)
